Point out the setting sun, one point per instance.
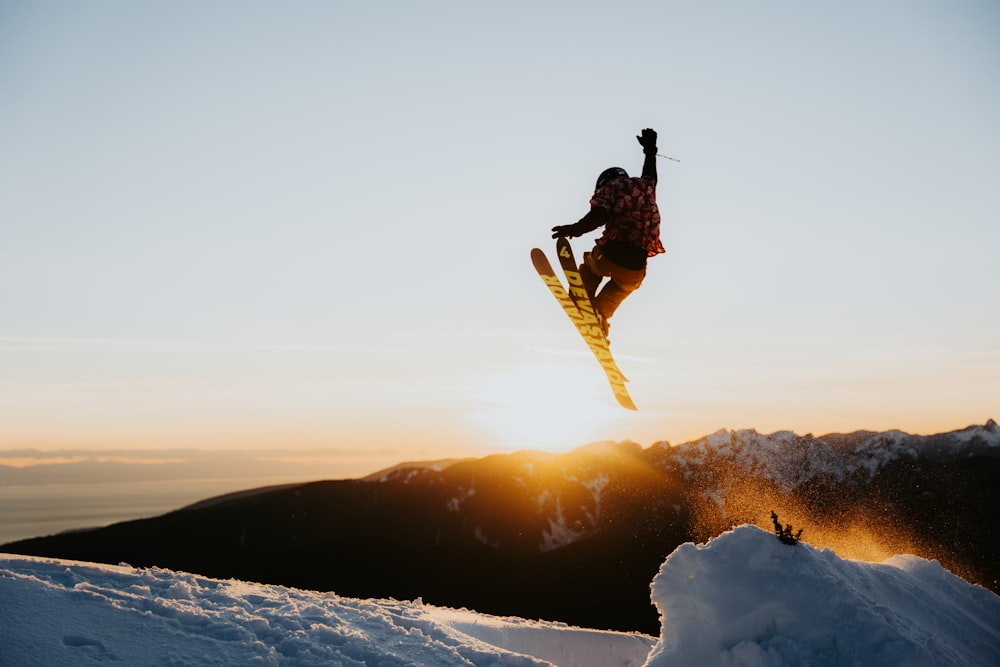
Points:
(557, 403)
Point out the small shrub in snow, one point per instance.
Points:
(784, 533)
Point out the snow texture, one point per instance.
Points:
(746, 599)
(743, 599)
(57, 612)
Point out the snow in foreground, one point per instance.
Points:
(742, 599)
(56, 612)
(747, 599)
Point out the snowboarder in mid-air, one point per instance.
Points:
(626, 207)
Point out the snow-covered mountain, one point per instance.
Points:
(567, 491)
(742, 599)
(789, 460)
(521, 534)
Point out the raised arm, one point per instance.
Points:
(648, 142)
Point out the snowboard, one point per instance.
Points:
(578, 307)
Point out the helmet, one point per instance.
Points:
(610, 175)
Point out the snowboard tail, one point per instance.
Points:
(576, 304)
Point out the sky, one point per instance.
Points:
(743, 598)
(263, 224)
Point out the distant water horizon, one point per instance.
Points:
(50, 492)
(37, 510)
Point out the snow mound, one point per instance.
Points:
(746, 599)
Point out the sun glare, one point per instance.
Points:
(557, 404)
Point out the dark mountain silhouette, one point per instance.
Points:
(578, 537)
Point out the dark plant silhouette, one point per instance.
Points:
(785, 533)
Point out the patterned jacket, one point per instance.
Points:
(633, 219)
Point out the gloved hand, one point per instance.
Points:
(648, 141)
(559, 231)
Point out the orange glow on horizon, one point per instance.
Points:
(557, 404)
(32, 461)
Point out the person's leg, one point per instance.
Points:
(590, 274)
(623, 282)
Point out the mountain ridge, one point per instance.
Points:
(517, 533)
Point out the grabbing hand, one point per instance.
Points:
(560, 231)
(648, 141)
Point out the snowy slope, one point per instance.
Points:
(742, 599)
(56, 613)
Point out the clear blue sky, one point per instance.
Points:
(255, 223)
